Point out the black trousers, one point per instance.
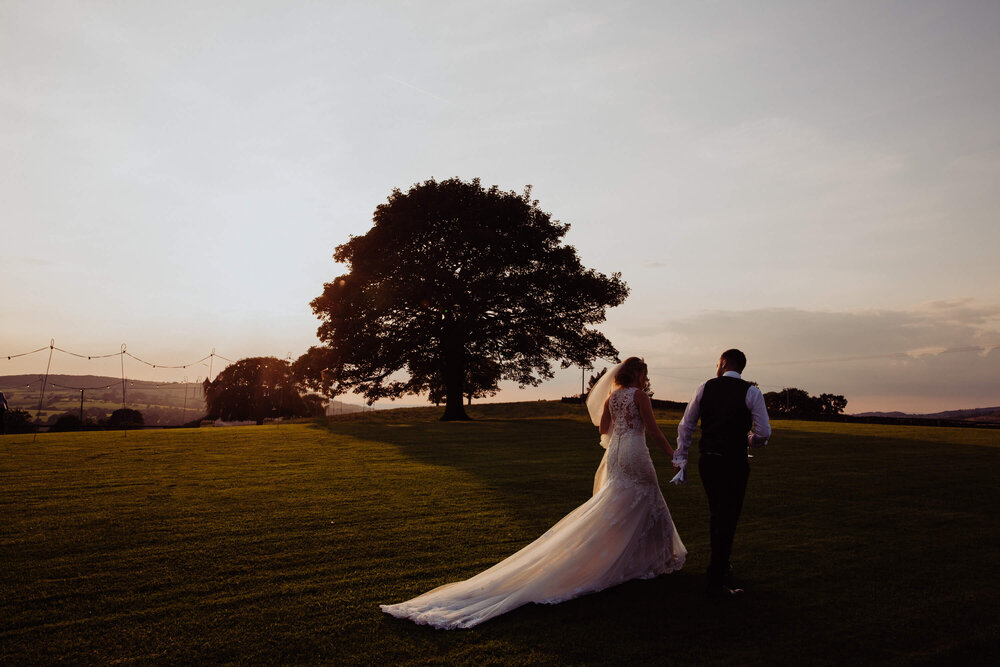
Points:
(725, 481)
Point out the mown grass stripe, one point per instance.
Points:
(276, 544)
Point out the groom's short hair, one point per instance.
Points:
(735, 360)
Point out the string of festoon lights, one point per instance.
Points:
(121, 353)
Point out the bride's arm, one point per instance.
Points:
(652, 428)
(606, 419)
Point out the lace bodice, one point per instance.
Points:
(627, 460)
(624, 411)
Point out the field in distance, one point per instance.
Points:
(161, 403)
(275, 544)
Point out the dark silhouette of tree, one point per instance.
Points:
(481, 381)
(17, 421)
(793, 402)
(66, 422)
(832, 404)
(595, 378)
(592, 380)
(127, 418)
(257, 388)
(450, 276)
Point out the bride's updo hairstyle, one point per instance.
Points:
(632, 368)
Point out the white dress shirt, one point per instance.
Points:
(755, 404)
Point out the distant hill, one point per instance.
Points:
(178, 403)
(161, 403)
(971, 414)
(340, 408)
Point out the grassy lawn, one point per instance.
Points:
(275, 544)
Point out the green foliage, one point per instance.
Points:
(258, 388)
(457, 284)
(275, 545)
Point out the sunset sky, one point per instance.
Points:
(815, 183)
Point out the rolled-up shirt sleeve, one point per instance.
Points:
(686, 428)
(761, 424)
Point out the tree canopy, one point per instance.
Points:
(258, 388)
(126, 417)
(456, 281)
(793, 402)
(17, 421)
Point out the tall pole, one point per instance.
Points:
(124, 417)
(81, 406)
(123, 375)
(281, 396)
(41, 395)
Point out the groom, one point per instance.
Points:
(733, 416)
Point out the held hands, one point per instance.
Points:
(680, 478)
(680, 472)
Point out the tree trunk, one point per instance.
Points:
(453, 372)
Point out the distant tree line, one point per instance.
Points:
(21, 421)
(657, 403)
(798, 404)
(790, 403)
(252, 389)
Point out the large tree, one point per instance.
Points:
(453, 275)
(257, 388)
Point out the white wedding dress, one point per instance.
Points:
(623, 532)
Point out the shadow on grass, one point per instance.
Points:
(539, 469)
(847, 539)
(667, 620)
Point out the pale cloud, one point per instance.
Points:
(788, 147)
(944, 349)
(189, 167)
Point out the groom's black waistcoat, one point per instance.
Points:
(725, 418)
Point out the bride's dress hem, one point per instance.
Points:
(430, 616)
(621, 533)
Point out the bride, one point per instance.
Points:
(623, 532)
